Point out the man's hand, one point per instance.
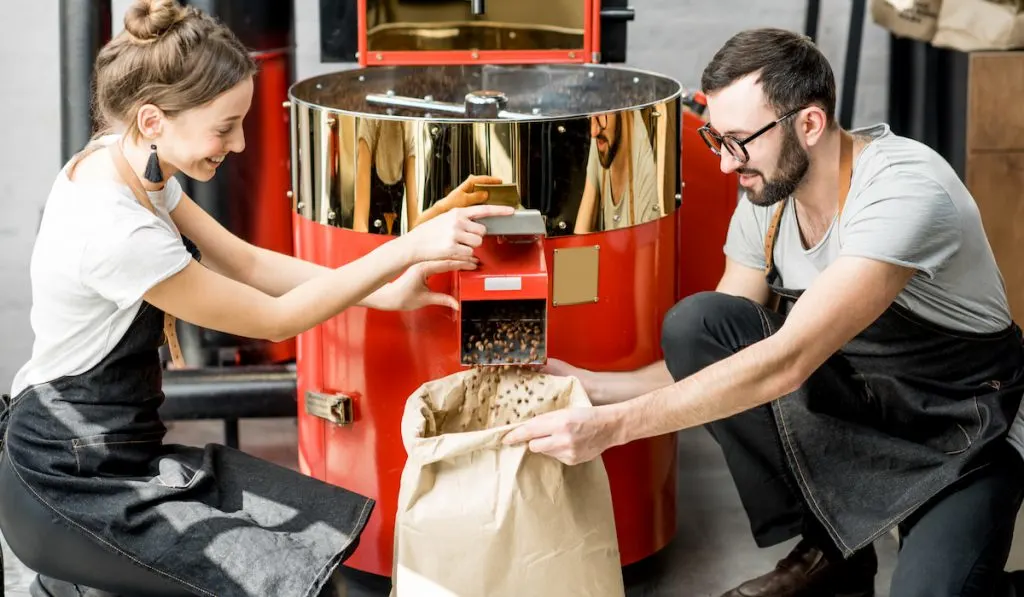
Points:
(410, 290)
(572, 435)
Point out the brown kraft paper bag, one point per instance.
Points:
(477, 518)
(974, 25)
(915, 19)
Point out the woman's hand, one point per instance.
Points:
(410, 290)
(451, 236)
(464, 195)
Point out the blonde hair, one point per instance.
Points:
(173, 57)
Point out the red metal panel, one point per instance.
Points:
(381, 358)
(709, 200)
(585, 53)
(309, 369)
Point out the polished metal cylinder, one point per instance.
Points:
(382, 149)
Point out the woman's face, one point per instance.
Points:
(196, 141)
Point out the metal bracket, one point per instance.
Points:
(334, 408)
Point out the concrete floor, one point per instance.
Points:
(711, 553)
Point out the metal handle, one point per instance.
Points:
(401, 101)
(334, 408)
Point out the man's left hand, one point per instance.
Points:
(572, 435)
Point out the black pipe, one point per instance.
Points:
(85, 26)
(811, 24)
(852, 68)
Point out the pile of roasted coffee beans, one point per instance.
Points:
(496, 333)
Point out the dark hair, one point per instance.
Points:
(793, 72)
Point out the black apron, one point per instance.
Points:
(385, 204)
(907, 409)
(215, 520)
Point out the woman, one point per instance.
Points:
(89, 494)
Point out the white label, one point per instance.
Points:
(503, 283)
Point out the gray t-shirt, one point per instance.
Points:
(906, 206)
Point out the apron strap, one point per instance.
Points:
(128, 175)
(845, 179)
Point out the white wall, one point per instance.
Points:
(675, 37)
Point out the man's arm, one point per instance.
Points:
(845, 299)
(618, 386)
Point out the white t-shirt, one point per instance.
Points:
(97, 253)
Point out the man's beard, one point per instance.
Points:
(789, 172)
(608, 156)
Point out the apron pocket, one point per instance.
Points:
(923, 417)
(117, 454)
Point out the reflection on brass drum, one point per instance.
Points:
(381, 150)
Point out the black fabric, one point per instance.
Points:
(47, 544)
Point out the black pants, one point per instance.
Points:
(957, 544)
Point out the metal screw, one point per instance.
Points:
(332, 121)
(561, 226)
(590, 74)
(362, 78)
(433, 131)
(636, 79)
(289, 194)
(561, 129)
(286, 104)
(428, 98)
(300, 205)
(475, 55)
(380, 56)
(572, 54)
(331, 215)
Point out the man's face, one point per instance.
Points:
(605, 131)
(778, 162)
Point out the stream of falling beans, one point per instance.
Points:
(496, 396)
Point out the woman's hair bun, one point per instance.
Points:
(149, 19)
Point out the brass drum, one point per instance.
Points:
(382, 149)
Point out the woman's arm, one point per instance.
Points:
(268, 271)
(208, 299)
(361, 215)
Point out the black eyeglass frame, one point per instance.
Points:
(709, 136)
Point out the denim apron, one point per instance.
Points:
(214, 520)
(901, 412)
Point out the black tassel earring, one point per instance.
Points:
(153, 172)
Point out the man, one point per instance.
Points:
(879, 390)
(620, 190)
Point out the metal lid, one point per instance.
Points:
(530, 92)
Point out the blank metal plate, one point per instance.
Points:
(575, 276)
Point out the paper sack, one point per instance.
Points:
(476, 518)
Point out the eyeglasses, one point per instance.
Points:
(737, 147)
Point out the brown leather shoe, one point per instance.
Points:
(806, 572)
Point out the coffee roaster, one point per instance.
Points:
(583, 272)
